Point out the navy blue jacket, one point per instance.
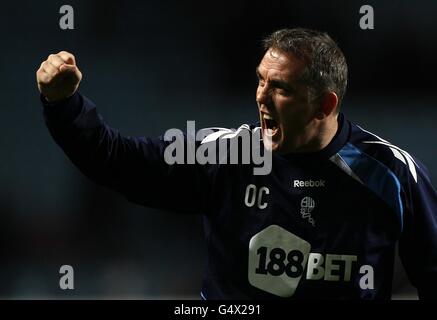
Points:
(320, 225)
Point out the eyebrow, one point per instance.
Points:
(275, 82)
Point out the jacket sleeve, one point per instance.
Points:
(134, 166)
(418, 243)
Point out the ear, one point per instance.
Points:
(328, 104)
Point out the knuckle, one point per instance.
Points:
(65, 54)
(55, 63)
(45, 65)
(51, 71)
(42, 78)
(48, 78)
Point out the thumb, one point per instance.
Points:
(68, 68)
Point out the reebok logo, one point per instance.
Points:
(309, 184)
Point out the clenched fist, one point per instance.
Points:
(58, 77)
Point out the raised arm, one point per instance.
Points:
(132, 166)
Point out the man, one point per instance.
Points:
(323, 223)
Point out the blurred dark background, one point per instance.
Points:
(151, 66)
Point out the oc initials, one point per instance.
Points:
(256, 196)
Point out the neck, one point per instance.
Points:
(327, 132)
(318, 137)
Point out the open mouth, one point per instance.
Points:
(270, 125)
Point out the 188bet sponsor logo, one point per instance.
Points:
(278, 260)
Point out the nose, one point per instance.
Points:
(263, 95)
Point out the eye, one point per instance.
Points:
(261, 82)
(283, 91)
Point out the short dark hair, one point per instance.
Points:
(326, 68)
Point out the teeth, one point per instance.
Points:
(267, 116)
